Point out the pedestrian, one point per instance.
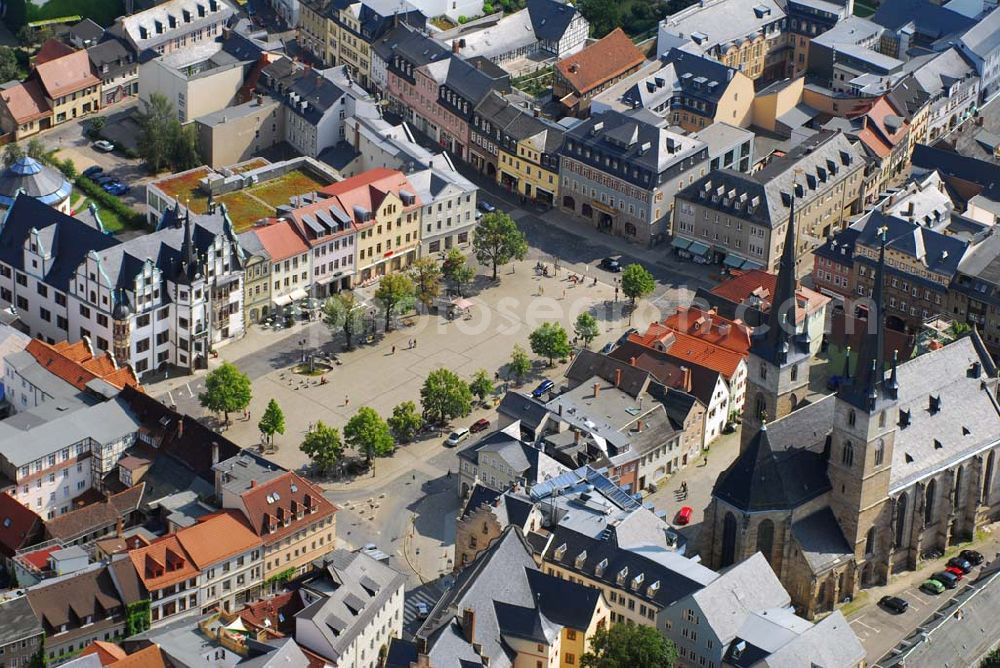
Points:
(595, 281)
(541, 291)
(393, 350)
(248, 415)
(564, 293)
(347, 400)
(414, 343)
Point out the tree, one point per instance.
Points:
(453, 260)
(497, 241)
(158, 130)
(12, 153)
(445, 396)
(272, 422)
(626, 646)
(405, 422)
(9, 67)
(636, 282)
(603, 15)
(227, 389)
(323, 446)
(342, 311)
(520, 363)
(959, 329)
(550, 340)
(36, 149)
(586, 328)
(393, 291)
(367, 432)
(185, 153)
(426, 277)
(463, 276)
(481, 385)
(991, 660)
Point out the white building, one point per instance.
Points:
(174, 25)
(354, 607)
(449, 211)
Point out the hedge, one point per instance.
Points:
(128, 215)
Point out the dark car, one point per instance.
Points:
(947, 579)
(101, 179)
(485, 206)
(607, 347)
(624, 337)
(116, 188)
(610, 264)
(959, 562)
(543, 387)
(482, 424)
(93, 171)
(971, 556)
(894, 604)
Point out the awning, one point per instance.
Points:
(298, 294)
(747, 264)
(697, 248)
(283, 300)
(733, 261)
(462, 303)
(680, 243)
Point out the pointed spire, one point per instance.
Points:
(776, 342)
(893, 385)
(187, 251)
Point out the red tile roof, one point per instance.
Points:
(367, 190)
(216, 538)
(66, 75)
(77, 365)
(276, 614)
(284, 497)
(281, 241)
(608, 58)
(162, 563)
(711, 327)
(689, 349)
(107, 652)
(52, 49)
(26, 102)
(70, 526)
(147, 657)
(19, 526)
(877, 135)
(758, 285)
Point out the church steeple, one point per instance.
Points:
(776, 343)
(869, 387)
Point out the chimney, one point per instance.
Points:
(253, 483)
(631, 361)
(469, 624)
(576, 437)
(455, 47)
(215, 453)
(618, 377)
(638, 425)
(180, 427)
(120, 527)
(597, 389)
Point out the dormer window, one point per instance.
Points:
(560, 552)
(622, 576)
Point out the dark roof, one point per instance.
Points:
(401, 654)
(569, 606)
(17, 620)
(95, 516)
(908, 96)
(86, 31)
(761, 479)
(932, 21)
(694, 72)
(679, 405)
(69, 600)
(19, 526)
(821, 539)
(940, 253)
(471, 83)
(550, 18)
(965, 168)
(113, 54)
(528, 410)
(673, 585)
(241, 47)
(840, 247)
(588, 364)
(415, 47)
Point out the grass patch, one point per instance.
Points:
(859, 601)
(185, 190)
(103, 12)
(249, 165)
(244, 210)
(280, 190)
(536, 83)
(443, 22)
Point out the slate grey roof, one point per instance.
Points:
(550, 18)
(523, 407)
(829, 642)
(983, 38)
(18, 621)
(937, 252)
(949, 163)
(721, 21)
(87, 31)
(931, 21)
(821, 541)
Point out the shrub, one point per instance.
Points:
(462, 20)
(128, 216)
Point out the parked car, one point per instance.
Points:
(684, 515)
(482, 424)
(624, 337)
(104, 146)
(894, 604)
(945, 578)
(607, 347)
(457, 437)
(423, 610)
(92, 171)
(485, 206)
(610, 264)
(101, 179)
(543, 387)
(932, 586)
(116, 188)
(973, 557)
(957, 572)
(959, 562)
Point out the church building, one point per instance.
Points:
(841, 492)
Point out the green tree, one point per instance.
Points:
(603, 15)
(426, 277)
(367, 432)
(12, 153)
(227, 389)
(520, 363)
(158, 132)
(323, 446)
(453, 260)
(959, 329)
(497, 240)
(36, 149)
(9, 67)
(586, 328)
(394, 290)
(272, 422)
(481, 385)
(137, 617)
(342, 311)
(550, 340)
(992, 660)
(636, 282)
(463, 276)
(445, 396)
(185, 153)
(626, 646)
(405, 422)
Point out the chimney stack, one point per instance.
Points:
(120, 527)
(597, 389)
(469, 625)
(455, 48)
(253, 483)
(215, 453)
(631, 361)
(618, 377)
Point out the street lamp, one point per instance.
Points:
(302, 349)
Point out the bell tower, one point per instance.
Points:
(864, 428)
(778, 365)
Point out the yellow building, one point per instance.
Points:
(385, 211)
(528, 161)
(316, 30)
(70, 86)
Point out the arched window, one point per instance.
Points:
(765, 538)
(760, 407)
(900, 518)
(880, 452)
(881, 419)
(795, 372)
(847, 454)
(763, 370)
(728, 541)
(852, 418)
(988, 478)
(870, 541)
(929, 502)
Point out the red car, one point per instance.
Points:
(479, 425)
(954, 570)
(684, 515)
